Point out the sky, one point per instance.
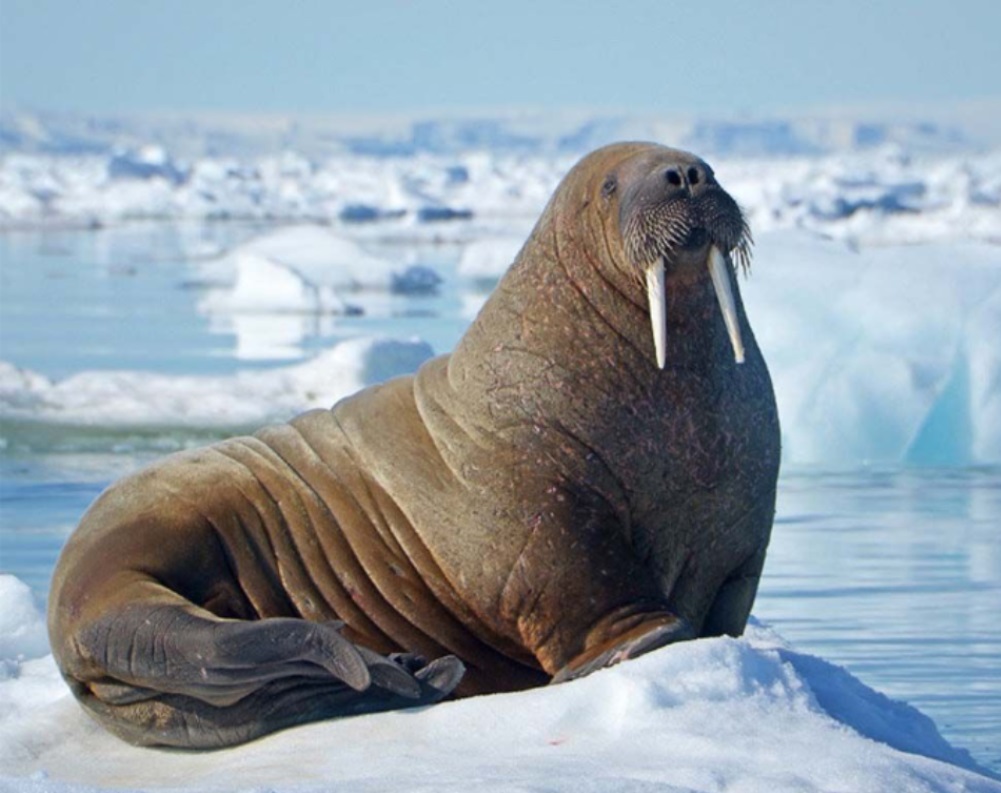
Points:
(392, 56)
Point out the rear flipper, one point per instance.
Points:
(163, 676)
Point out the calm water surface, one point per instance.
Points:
(894, 574)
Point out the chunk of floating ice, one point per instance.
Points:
(265, 286)
(880, 355)
(302, 268)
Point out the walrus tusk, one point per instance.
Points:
(721, 281)
(658, 309)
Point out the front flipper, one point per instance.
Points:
(732, 605)
(632, 644)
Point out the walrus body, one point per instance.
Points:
(541, 503)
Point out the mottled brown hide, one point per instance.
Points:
(543, 502)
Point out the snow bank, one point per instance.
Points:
(147, 162)
(881, 197)
(246, 399)
(748, 714)
(402, 193)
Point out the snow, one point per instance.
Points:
(22, 632)
(749, 714)
(246, 399)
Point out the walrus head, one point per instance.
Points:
(674, 216)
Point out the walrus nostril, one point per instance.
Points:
(673, 177)
(693, 176)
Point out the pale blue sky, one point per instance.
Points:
(305, 56)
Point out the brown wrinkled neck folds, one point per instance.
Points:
(583, 284)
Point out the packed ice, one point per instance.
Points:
(874, 183)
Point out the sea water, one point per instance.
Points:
(894, 573)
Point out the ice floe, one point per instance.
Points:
(749, 714)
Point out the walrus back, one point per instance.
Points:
(282, 528)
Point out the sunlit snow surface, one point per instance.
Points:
(746, 714)
(875, 293)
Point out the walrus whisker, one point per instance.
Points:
(658, 309)
(741, 252)
(724, 294)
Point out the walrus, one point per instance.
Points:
(589, 476)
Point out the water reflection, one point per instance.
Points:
(276, 337)
(897, 576)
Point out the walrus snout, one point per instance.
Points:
(689, 175)
(678, 210)
(678, 217)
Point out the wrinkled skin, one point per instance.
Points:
(541, 503)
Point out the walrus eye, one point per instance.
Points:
(609, 187)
